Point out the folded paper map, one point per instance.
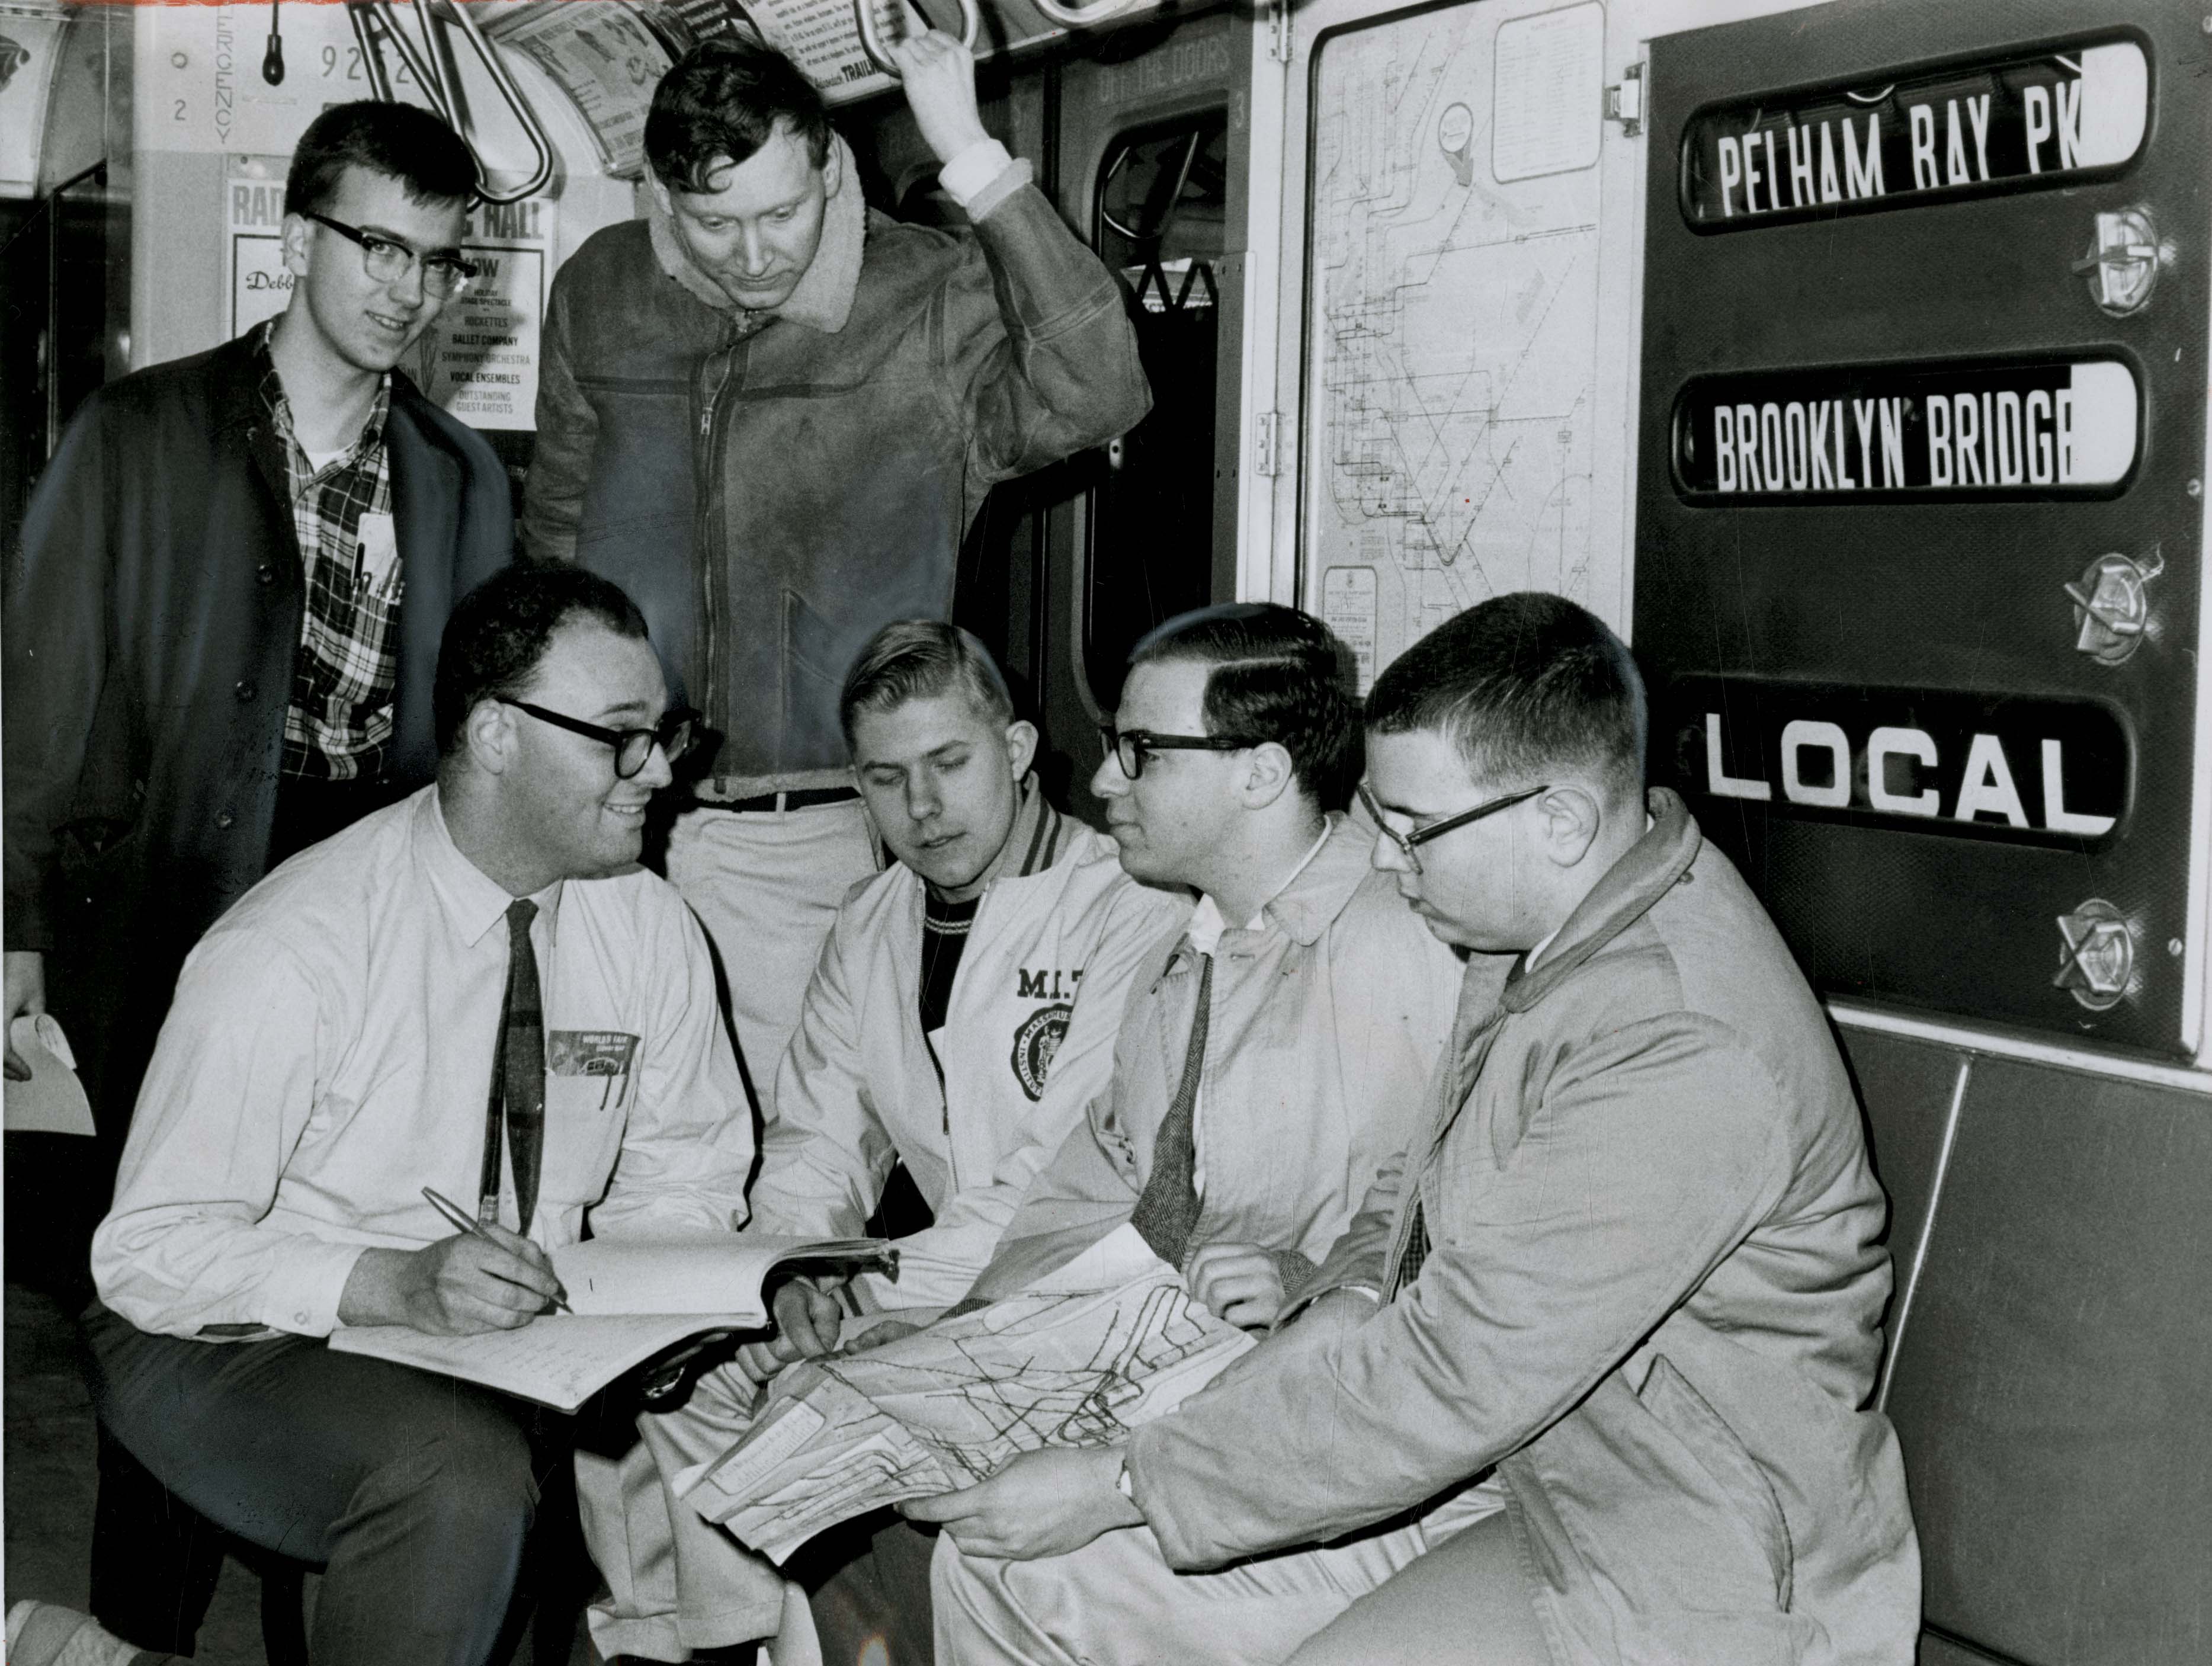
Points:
(632, 1299)
(1112, 1339)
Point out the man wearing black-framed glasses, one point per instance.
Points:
(1622, 1298)
(1268, 1060)
(234, 576)
(478, 990)
(632, 748)
(219, 631)
(1226, 766)
(1407, 840)
(390, 260)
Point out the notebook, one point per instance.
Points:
(633, 1300)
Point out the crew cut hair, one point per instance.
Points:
(1276, 675)
(497, 636)
(721, 102)
(919, 660)
(399, 141)
(1522, 685)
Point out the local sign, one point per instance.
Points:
(1991, 766)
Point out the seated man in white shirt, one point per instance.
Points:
(476, 991)
(999, 946)
(1270, 1061)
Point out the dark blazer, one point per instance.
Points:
(151, 623)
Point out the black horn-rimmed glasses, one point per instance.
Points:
(1130, 747)
(388, 260)
(633, 747)
(1436, 829)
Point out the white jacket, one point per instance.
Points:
(976, 1117)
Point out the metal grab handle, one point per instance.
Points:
(370, 17)
(864, 13)
(1079, 17)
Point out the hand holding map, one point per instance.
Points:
(1108, 1342)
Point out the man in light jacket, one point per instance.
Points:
(961, 1017)
(1587, 1380)
(1279, 1042)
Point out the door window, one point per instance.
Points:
(1160, 203)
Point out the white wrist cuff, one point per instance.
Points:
(965, 176)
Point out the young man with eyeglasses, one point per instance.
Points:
(478, 990)
(222, 616)
(1271, 1055)
(1589, 1377)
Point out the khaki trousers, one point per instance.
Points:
(766, 885)
(677, 1582)
(1116, 1602)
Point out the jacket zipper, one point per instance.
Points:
(710, 523)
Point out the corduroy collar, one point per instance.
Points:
(1651, 868)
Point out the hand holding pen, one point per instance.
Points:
(540, 1281)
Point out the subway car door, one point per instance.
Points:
(1150, 157)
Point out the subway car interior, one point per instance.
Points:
(1849, 358)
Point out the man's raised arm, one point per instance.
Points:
(1038, 345)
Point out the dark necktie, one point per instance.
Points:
(518, 1076)
(1169, 1207)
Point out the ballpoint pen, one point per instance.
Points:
(460, 1218)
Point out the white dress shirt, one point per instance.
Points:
(329, 1055)
(1207, 926)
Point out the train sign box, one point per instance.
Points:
(1920, 495)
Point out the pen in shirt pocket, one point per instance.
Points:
(376, 563)
(452, 1213)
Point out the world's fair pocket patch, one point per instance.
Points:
(1036, 1041)
(607, 1054)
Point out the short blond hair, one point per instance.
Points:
(919, 660)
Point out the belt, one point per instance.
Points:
(805, 798)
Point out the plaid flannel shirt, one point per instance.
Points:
(338, 725)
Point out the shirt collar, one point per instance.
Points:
(473, 901)
(279, 405)
(1303, 904)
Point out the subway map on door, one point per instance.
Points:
(1452, 313)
